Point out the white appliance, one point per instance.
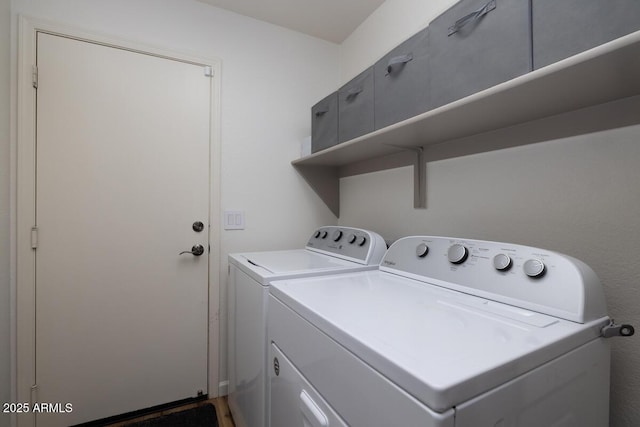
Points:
(448, 332)
(330, 250)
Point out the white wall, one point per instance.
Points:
(576, 195)
(270, 78)
(5, 355)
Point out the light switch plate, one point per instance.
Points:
(234, 220)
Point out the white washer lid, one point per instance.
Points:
(441, 346)
(265, 266)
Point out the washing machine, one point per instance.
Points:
(329, 250)
(448, 332)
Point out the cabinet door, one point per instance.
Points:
(400, 79)
(565, 28)
(477, 44)
(355, 107)
(324, 123)
(294, 402)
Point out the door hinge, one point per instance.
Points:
(612, 329)
(33, 394)
(34, 76)
(208, 71)
(34, 237)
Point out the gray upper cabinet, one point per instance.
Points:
(476, 61)
(324, 123)
(567, 27)
(401, 83)
(477, 44)
(355, 107)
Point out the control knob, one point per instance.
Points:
(317, 234)
(422, 250)
(351, 238)
(324, 235)
(457, 254)
(534, 268)
(362, 240)
(337, 235)
(502, 262)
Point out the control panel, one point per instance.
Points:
(522, 276)
(354, 244)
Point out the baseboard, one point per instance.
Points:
(223, 388)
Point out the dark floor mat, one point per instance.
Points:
(200, 416)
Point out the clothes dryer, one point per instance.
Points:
(329, 250)
(447, 333)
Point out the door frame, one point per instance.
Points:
(25, 167)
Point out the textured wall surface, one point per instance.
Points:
(576, 196)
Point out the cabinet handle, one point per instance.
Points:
(321, 113)
(353, 92)
(472, 17)
(311, 412)
(398, 60)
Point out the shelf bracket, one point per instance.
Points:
(325, 181)
(419, 176)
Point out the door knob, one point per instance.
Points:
(196, 250)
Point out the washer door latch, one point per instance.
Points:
(615, 330)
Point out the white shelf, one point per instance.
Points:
(603, 74)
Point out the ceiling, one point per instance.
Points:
(331, 20)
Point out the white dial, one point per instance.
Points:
(362, 240)
(422, 250)
(457, 254)
(502, 262)
(324, 235)
(351, 238)
(337, 235)
(317, 234)
(533, 267)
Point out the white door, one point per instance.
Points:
(122, 174)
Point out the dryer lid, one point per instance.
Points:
(283, 262)
(273, 265)
(441, 346)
